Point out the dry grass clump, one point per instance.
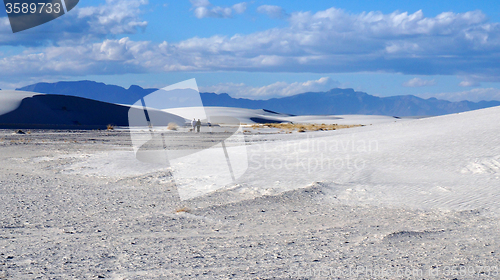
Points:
(303, 127)
(183, 210)
(172, 126)
(110, 127)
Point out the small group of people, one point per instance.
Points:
(196, 124)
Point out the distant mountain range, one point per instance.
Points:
(92, 90)
(334, 102)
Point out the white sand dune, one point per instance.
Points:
(416, 199)
(11, 99)
(250, 116)
(243, 115)
(19, 109)
(447, 162)
(30, 110)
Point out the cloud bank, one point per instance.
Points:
(204, 9)
(329, 41)
(278, 89)
(417, 82)
(81, 26)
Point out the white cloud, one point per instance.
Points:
(474, 79)
(272, 11)
(4, 23)
(468, 83)
(240, 7)
(324, 42)
(475, 95)
(417, 82)
(218, 12)
(277, 89)
(107, 57)
(81, 25)
(204, 9)
(115, 17)
(336, 41)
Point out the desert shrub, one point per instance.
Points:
(183, 210)
(303, 127)
(172, 126)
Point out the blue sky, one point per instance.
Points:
(265, 49)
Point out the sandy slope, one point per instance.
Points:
(11, 99)
(249, 116)
(446, 162)
(419, 197)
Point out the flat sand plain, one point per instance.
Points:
(61, 219)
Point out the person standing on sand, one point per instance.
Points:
(198, 125)
(193, 124)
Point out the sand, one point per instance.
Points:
(78, 205)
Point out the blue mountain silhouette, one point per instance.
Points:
(333, 102)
